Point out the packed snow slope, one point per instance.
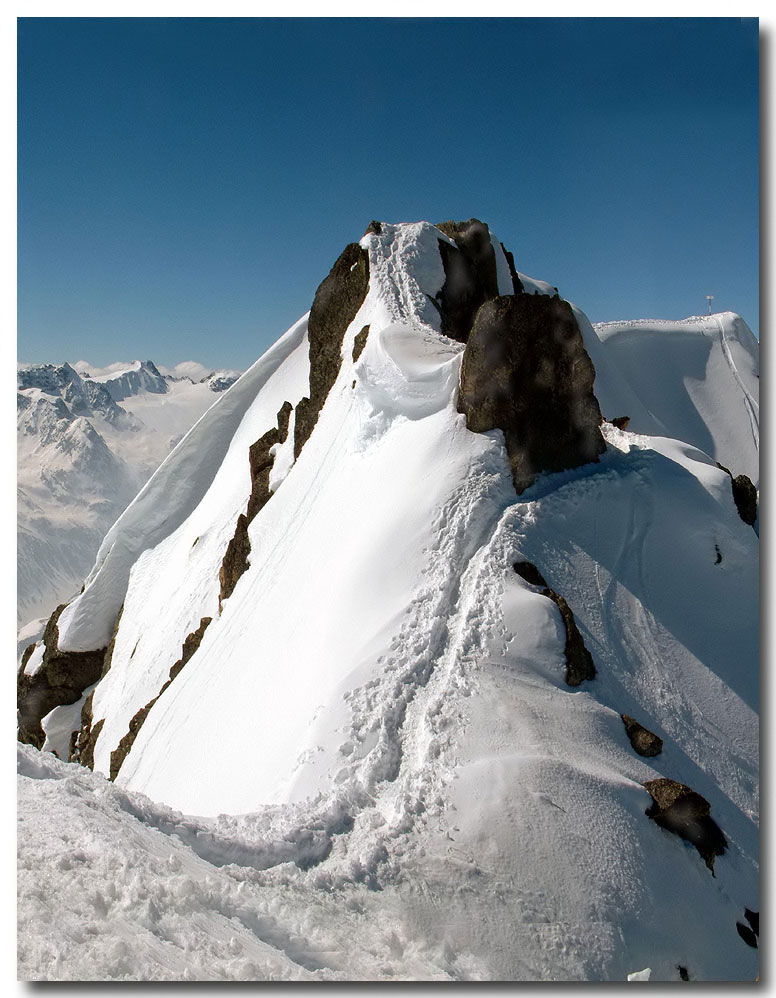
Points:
(85, 447)
(365, 704)
(690, 376)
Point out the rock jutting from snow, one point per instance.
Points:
(745, 498)
(82, 742)
(644, 741)
(359, 343)
(261, 459)
(517, 284)
(525, 371)
(337, 300)
(744, 495)
(61, 679)
(190, 645)
(470, 275)
(579, 661)
(679, 809)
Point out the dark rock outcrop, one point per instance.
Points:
(359, 343)
(579, 661)
(644, 742)
(27, 655)
(82, 742)
(530, 574)
(470, 275)
(747, 935)
(374, 227)
(190, 645)
(744, 495)
(679, 809)
(235, 561)
(525, 371)
(336, 302)
(753, 917)
(60, 680)
(621, 422)
(745, 498)
(517, 284)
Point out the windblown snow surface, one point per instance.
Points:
(372, 767)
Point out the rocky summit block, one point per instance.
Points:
(336, 303)
(525, 371)
(470, 275)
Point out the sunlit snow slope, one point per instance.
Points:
(380, 702)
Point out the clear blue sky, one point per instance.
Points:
(185, 184)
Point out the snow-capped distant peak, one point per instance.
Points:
(140, 376)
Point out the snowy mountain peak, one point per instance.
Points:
(402, 598)
(141, 376)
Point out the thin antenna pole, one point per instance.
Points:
(709, 299)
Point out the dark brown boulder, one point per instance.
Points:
(644, 742)
(470, 275)
(336, 302)
(60, 680)
(525, 371)
(621, 422)
(359, 343)
(679, 809)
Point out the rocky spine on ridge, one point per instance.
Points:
(235, 560)
(525, 371)
(337, 300)
(470, 275)
(60, 680)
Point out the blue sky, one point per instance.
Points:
(185, 184)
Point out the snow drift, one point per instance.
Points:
(376, 711)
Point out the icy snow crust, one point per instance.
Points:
(409, 789)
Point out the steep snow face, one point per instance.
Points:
(380, 702)
(697, 380)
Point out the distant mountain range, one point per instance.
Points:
(86, 444)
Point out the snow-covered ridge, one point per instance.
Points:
(383, 695)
